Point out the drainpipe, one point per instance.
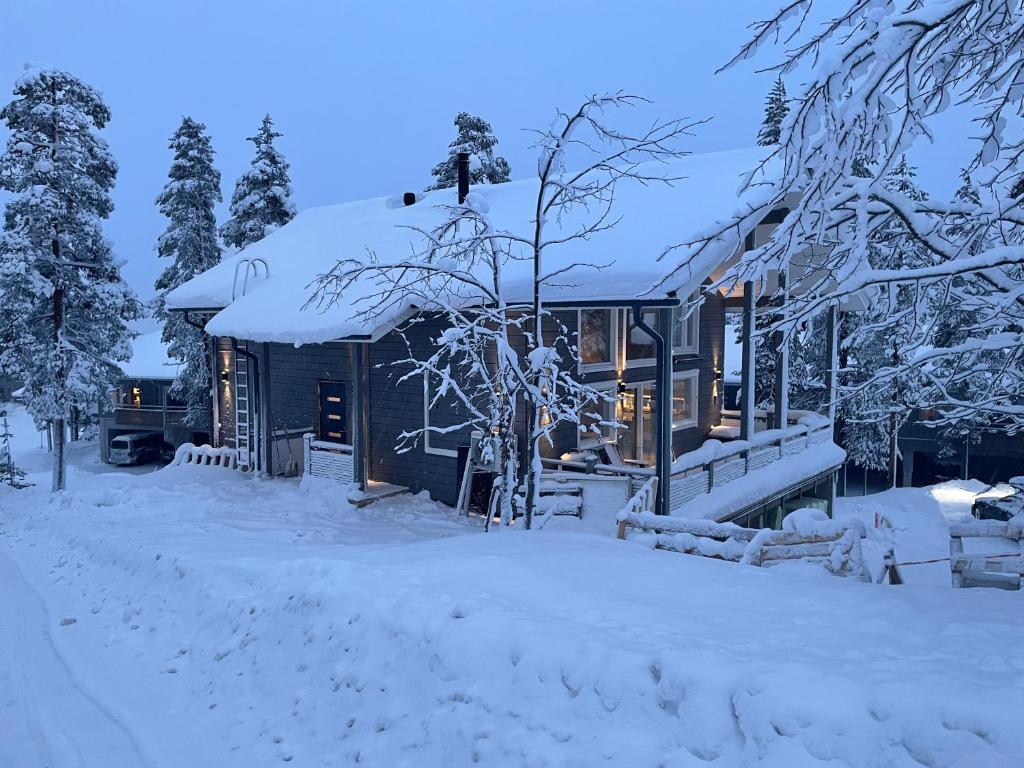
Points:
(254, 393)
(662, 436)
(358, 412)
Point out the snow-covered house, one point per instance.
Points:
(284, 370)
(142, 401)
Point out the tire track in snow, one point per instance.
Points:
(47, 718)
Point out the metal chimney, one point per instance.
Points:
(462, 166)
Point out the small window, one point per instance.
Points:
(443, 415)
(597, 338)
(686, 327)
(684, 400)
(640, 346)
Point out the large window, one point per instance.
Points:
(598, 418)
(598, 338)
(684, 400)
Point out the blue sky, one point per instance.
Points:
(365, 93)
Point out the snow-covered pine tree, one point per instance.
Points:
(64, 307)
(476, 137)
(262, 200)
(776, 108)
(190, 242)
(879, 338)
(10, 474)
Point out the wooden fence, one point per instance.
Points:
(1001, 569)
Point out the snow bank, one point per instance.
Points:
(239, 622)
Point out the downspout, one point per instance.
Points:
(358, 413)
(662, 466)
(254, 389)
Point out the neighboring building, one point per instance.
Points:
(283, 371)
(142, 402)
(8, 386)
(992, 456)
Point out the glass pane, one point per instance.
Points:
(596, 341)
(649, 422)
(682, 400)
(625, 413)
(640, 346)
(684, 329)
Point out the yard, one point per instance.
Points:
(193, 616)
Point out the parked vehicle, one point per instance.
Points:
(1001, 502)
(136, 448)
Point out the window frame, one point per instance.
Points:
(694, 348)
(449, 452)
(589, 442)
(611, 365)
(640, 362)
(694, 420)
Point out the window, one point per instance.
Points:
(597, 419)
(684, 400)
(597, 338)
(443, 415)
(640, 348)
(686, 327)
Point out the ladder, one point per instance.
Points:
(242, 413)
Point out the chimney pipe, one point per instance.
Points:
(462, 166)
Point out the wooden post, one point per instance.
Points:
(747, 396)
(832, 361)
(665, 412)
(358, 416)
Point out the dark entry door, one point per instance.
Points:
(333, 412)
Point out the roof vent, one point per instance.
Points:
(409, 198)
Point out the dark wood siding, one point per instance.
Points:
(225, 367)
(294, 373)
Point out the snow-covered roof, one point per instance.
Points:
(149, 359)
(652, 218)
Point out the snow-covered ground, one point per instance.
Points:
(219, 620)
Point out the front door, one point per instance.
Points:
(333, 411)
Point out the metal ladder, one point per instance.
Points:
(242, 412)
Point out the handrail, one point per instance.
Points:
(608, 469)
(250, 266)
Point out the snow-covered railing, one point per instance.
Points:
(717, 463)
(641, 502)
(834, 545)
(324, 459)
(558, 465)
(205, 456)
(991, 569)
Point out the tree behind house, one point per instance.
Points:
(475, 136)
(190, 242)
(775, 110)
(262, 201)
(64, 309)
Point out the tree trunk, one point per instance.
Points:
(59, 462)
(59, 436)
(893, 450)
(76, 422)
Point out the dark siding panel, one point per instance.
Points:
(225, 389)
(294, 373)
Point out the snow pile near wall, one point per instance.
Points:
(237, 622)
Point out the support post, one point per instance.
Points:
(663, 457)
(781, 367)
(265, 418)
(665, 393)
(832, 361)
(358, 415)
(747, 374)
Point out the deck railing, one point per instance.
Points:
(718, 463)
(324, 459)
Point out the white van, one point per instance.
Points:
(136, 448)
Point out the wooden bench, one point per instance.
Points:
(1001, 569)
(836, 547)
